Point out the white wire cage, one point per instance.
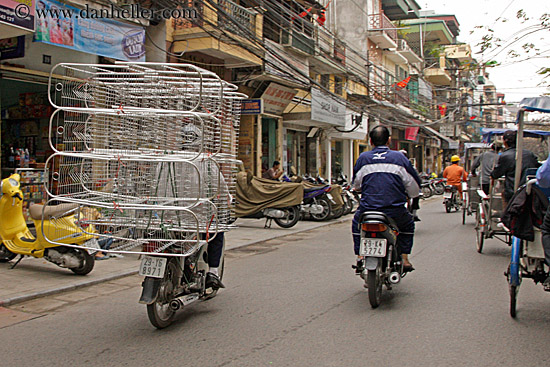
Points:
(151, 148)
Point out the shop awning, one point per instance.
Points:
(451, 144)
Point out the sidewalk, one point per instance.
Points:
(33, 278)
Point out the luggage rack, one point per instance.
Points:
(147, 151)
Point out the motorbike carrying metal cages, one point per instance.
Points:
(146, 151)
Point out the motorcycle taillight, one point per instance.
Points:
(374, 227)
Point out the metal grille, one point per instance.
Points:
(147, 151)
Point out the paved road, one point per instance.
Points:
(296, 302)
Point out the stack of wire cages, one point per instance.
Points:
(147, 151)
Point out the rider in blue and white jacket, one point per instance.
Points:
(386, 179)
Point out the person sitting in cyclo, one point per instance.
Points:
(543, 180)
(455, 175)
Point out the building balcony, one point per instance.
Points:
(206, 34)
(298, 42)
(462, 53)
(395, 56)
(330, 54)
(407, 52)
(436, 72)
(382, 31)
(401, 9)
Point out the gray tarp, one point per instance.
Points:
(255, 194)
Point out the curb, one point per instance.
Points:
(83, 284)
(49, 292)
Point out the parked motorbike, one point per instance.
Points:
(426, 186)
(59, 225)
(450, 199)
(347, 195)
(438, 185)
(381, 262)
(317, 202)
(262, 198)
(174, 282)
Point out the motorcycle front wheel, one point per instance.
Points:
(159, 312)
(292, 216)
(439, 189)
(374, 283)
(426, 192)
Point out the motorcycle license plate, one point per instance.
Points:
(373, 247)
(447, 195)
(152, 266)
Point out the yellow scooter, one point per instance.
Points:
(58, 225)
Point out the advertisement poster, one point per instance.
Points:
(276, 97)
(325, 108)
(103, 37)
(12, 48)
(18, 13)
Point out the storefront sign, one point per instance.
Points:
(12, 48)
(276, 97)
(325, 108)
(411, 133)
(284, 65)
(251, 106)
(18, 13)
(104, 37)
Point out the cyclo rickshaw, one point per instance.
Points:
(470, 198)
(527, 257)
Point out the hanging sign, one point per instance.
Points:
(251, 106)
(12, 48)
(103, 37)
(276, 97)
(19, 13)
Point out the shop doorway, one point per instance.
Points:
(269, 142)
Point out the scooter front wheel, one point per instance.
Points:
(5, 254)
(88, 262)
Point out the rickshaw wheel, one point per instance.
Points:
(514, 289)
(463, 215)
(480, 236)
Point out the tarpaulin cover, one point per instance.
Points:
(255, 194)
(540, 104)
(489, 132)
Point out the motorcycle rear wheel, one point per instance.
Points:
(326, 210)
(439, 189)
(88, 262)
(159, 312)
(292, 216)
(448, 206)
(374, 283)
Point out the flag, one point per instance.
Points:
(402, 84)
(302, 14)
(473, 117)
(442, 109)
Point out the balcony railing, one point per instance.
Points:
(379, 22)
(236, 14)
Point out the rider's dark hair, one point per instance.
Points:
(510, 138)
(276, 163)
(379, 135)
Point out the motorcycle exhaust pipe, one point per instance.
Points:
(395, 277)
(180, 302)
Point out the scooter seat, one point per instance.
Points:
(61, 210)
(377, 217)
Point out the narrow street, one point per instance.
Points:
(295, 301)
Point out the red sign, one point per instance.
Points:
(411, 133)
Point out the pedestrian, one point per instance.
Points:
(274, 172)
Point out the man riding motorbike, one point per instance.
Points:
(386, 179)
(455, 174)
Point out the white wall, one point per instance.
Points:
(155, 39)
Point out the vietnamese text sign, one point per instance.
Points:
(251, 106)
(19, 13)
(276, 97)
(104, 37)
(411, 133)
(325, 108)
